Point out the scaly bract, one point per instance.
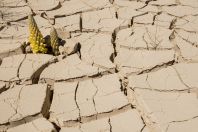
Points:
(36, 38)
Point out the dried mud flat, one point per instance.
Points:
(137, 69)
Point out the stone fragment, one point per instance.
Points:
(76, 6)
(128, 9)
(68, 23)
(107, 92)
(180, 11)
(100, 125)
(9, 67)
(129, 121)
(102, 20)
(43, 5)
(10, 48)
(164, 20)
(63, 35)
(70, 48)
(23, 101)
(146, 18)
(37, 125)
(69, 68)
(188, 23)
(188, 73)
(177, 77)
(183, 126)
(127, 3)
(131, 10)
(189, 37)
(187, 42)
(24, 67)
(63, 107)
(138, 60)
(162, 2)
(148, 36)
(97, 96)
(164, 79)
(164, 108)
(13, 14)
(150, 8)
(96, 48)
(85, 97)
(15, 33)
(192, 3)
(12, 39)
(127, 13)
(12, 3)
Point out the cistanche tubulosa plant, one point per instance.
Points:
(54, 41)
(36, 39)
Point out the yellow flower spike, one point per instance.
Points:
(54, 41)
(35, 37)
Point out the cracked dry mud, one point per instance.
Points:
(136, 71)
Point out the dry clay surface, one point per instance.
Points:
(136, 70)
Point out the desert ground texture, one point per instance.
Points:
(124, 66)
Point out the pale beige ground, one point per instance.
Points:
(136, 71)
